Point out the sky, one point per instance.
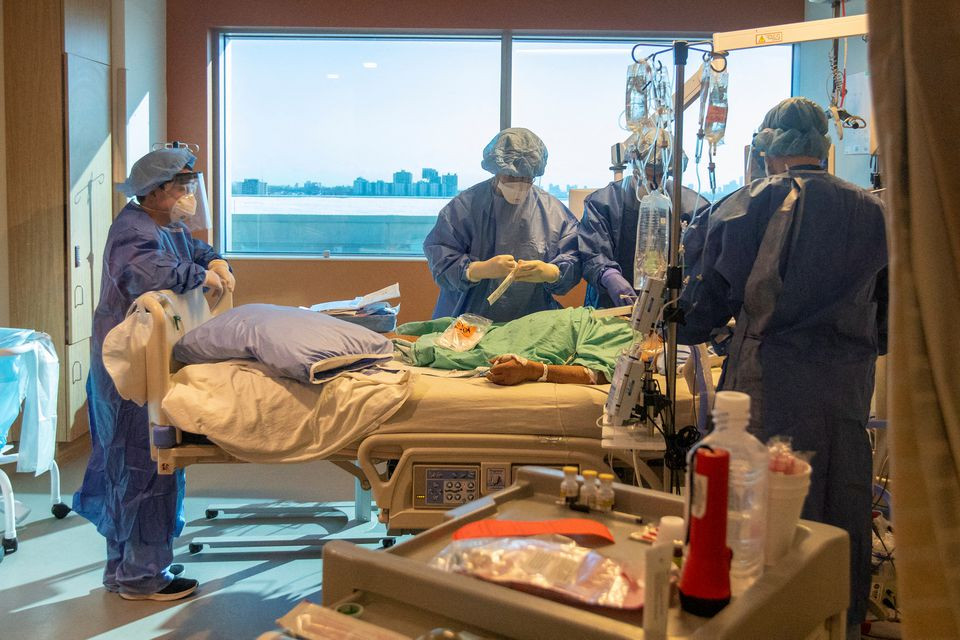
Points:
(331, 110)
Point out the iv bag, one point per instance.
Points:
(650, 260)
(713, 104)
(663, 98)
(638, 108)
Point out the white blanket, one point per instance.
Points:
(259, 418)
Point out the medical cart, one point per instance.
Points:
(803, 596)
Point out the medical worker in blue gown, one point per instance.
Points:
(497, 225)
(608, 229)
(799, 258)
(149, 247)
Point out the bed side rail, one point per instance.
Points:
(173, 315)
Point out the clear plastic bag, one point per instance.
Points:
(464, 333)
(783, 459)
(553, 568)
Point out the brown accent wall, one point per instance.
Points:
(307, 281)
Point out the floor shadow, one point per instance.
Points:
(217, 611)
(71, 618)
(48, 526)
(25, 594)
(230, 615)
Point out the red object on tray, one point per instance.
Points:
(579, 527)
(705, 583)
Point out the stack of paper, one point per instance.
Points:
(372, 310)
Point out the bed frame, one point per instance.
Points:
(496, 457)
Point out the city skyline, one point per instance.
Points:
(432, 184)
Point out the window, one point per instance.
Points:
(351, 145)
(571, 92)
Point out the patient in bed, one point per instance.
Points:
(561, 346)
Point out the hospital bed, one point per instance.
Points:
(468, 434)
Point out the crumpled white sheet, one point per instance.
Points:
(259, 418)
(125, 355)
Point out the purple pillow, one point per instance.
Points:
(294, 343)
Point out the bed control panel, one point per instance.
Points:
(445, 486)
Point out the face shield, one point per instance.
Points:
(514, 190)
(189, 201)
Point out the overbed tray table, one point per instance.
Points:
(804, 596)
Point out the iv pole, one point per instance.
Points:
(674, 270)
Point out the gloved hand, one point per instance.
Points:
(537, 271)
(212, 281)
(222, 269)
(617, 288)
(492, 269)
(510, 369)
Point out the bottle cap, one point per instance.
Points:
(570, 469)
(589, 473)
(731, 405)
(606, 477)
(671, 528)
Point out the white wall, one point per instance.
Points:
(812, 80)
(145, 54)
(4, 253)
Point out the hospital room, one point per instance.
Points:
(441, 321)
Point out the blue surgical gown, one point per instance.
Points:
(608, 235)
(478, 225)
(817, 320)
(122, 493)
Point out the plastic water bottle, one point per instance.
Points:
(638, 111)
(747, 502)
(651, 251)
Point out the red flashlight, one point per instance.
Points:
(705, 583)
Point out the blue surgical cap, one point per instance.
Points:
(155, 168)
(515, 152)
(795, 127)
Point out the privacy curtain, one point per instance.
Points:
(915, 77)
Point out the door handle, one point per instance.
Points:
(76, 372)
(78, 290)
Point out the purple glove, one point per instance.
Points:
(617, 288)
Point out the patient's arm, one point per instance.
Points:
(510, 372)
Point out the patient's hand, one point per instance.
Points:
(509, 371)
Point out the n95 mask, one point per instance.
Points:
(185, 207)
(515, 192)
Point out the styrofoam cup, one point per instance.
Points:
(785, 496)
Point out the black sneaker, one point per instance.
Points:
(177, 589)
